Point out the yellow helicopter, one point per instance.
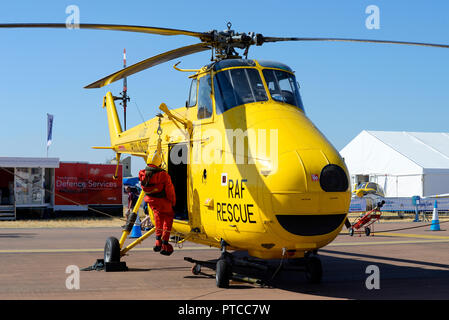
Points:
(251, 171)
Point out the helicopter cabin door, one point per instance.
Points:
(201, 170)
(177, 169)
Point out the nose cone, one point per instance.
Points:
(302, 159)
(308, 184)
(309, 195)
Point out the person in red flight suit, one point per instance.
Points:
(160, 196)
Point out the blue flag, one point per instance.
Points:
(49, 128)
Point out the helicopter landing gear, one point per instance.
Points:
(112, 256)
(112, 250)
(223, 268)
(228, 268)
(232, 267)
(313, 269)
(223, 273)
(310, 265)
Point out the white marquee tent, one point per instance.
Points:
(405, 164)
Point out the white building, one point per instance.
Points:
(26, 183)
(405, 164)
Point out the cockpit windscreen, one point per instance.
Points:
(234, 87)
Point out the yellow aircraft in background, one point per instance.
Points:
(250, 170)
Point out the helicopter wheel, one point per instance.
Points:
(112, 250)
(314, 270)
(222, 273)
(196, 269)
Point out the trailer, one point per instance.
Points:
(366, 220)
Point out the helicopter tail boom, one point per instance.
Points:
(115, 128)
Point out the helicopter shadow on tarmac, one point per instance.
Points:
(345, 277)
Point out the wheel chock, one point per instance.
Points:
(100, 265)
(115, 266)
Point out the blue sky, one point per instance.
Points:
(346, 87)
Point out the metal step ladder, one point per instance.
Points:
(8, 212)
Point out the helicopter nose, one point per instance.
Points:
(309, 195)
(308, 185)
(308, 177)
(304, 183)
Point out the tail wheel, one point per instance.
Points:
(222, 273)
(351, 232)
(112, 250)
(314, 270)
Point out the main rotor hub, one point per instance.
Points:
(224, 42)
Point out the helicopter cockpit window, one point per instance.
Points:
(192, 94)
(204, 97)
(235, 87)
(282, 86)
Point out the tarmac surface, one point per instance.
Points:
(412, 264)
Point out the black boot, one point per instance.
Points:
(158, 245)
(167, 248)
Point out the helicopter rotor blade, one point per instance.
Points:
(277, 39)
(148, 63)
(129, 28)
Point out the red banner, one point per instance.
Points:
(102, 187)
(87, 184)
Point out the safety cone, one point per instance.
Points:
(136, 232)
(435, 226)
